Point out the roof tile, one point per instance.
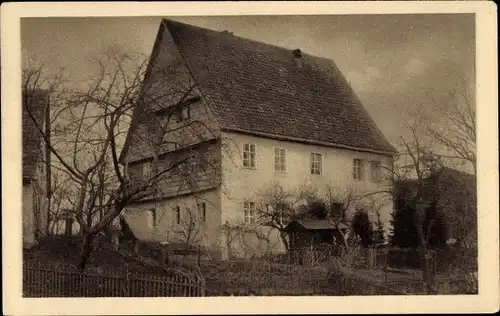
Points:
(258, 87)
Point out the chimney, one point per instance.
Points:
(297, 56)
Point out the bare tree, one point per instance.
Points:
(37, 86)
(338, 202)
(191, 227)
(379, 225)
(96, 119)
(246, 237)
(277, 206)
(456, 128)
(419, 164)
(59, 203)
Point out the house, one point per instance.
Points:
(455, 195)
(35, 206)
(223, 116)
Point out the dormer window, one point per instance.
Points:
(169, 146)
(184, 114)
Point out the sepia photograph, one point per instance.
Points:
(327, 155)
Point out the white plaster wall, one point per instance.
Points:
(138, 217)
(240, 183)
(28, 217)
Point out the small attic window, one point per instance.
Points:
(184, 113)
(184, 109)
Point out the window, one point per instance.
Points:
(280, 213)
(169, 145)
(249, 210)
(316, 161)
(199, 165)
(249, 155)
(184, 114)
(174, 171)
(375, 171)
(178, 215)
(202, 208)
(357, 172)
(280, 159)
(152, 218)
(146, 169)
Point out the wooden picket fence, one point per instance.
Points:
(46, 281)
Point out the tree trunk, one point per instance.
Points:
(345, 237)
(423, 256)
(89, 219)
(69, 227)
(283, 236)
(48, 165)
(136, 247)
(87, 246)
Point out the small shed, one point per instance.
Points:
(306, 232)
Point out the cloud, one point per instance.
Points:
(373, 72)
(363, 79)
(414, 67)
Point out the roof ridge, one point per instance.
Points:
(304, 53)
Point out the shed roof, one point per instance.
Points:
(316, 224)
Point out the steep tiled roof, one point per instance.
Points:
(36, 103)
(257, 87)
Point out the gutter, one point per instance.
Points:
(309, 141)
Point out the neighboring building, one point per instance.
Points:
(455, 195)
(257, 113)
(34, 171)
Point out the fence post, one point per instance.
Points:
(311, 255)
(127, 283)
(198, 257)
(201, 283)
(165, 260)
(371, 257)
(137, 246)
(386, 253)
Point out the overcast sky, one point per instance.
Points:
(394, 62)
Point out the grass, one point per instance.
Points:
(64, 251)
(237, 277)
(105, 272)
(264, 278)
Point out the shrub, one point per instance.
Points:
(362, 227)
(403, 258)
(404, 233)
